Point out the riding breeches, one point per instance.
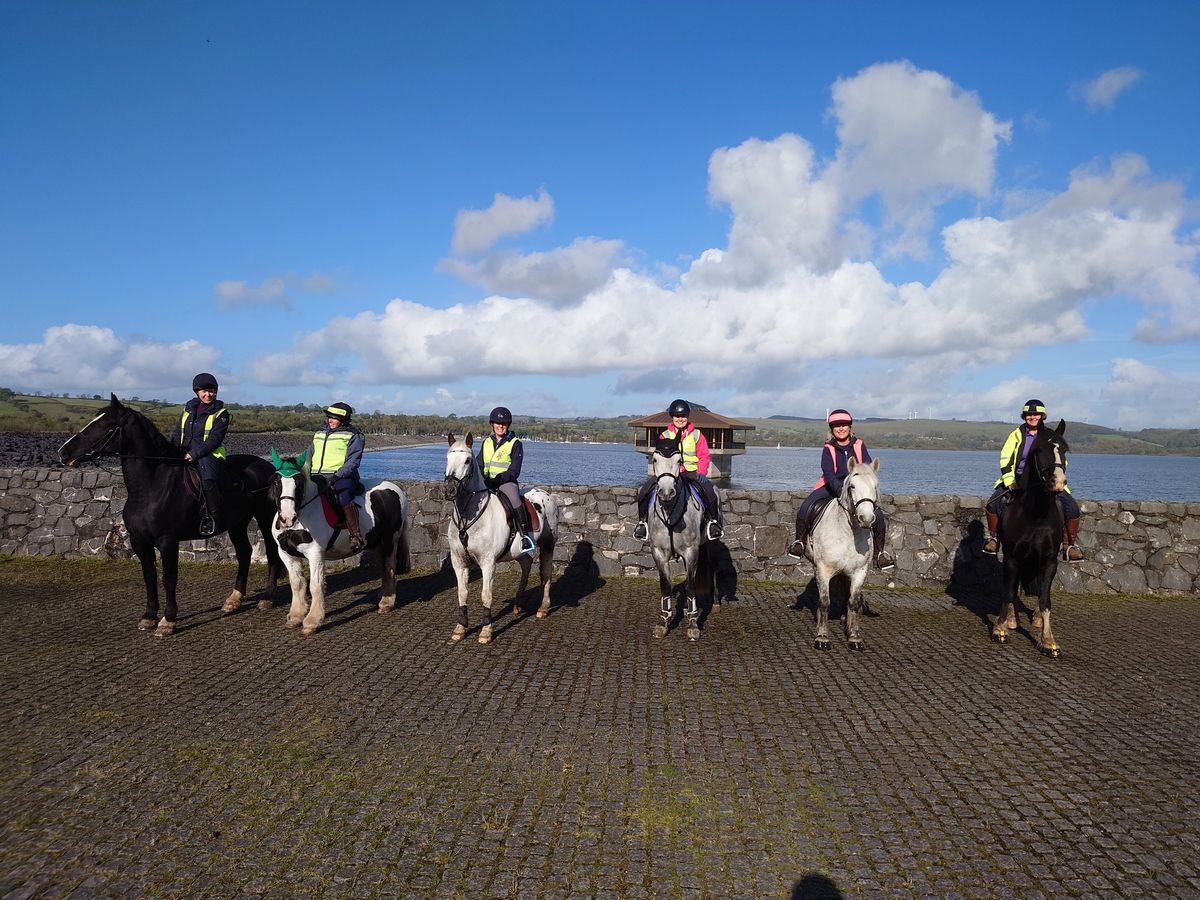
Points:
(345, 488)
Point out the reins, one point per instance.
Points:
(462, 490)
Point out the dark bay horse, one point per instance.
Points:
(1031, 529)
(162, 510)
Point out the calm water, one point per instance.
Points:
(970, 472)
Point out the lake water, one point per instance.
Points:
(969, 472)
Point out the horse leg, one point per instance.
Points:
(170, 578)
(316, 587)
(1046, 642)
(546, 572)
(1007, 619)
(274, 563)
(854, 610)
(462, 574)
(821, 641)
(487, 569)
(666, 610)
(145, 554)
(692, 610)
(387, 572)
(242, 549)
(295, 570)
(526, 565)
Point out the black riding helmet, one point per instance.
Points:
(680, 408)
(340, 410)
(204, 380)
(1032, 408)
(500, 416)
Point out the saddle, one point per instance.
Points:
(530, 510)
(680, 506)
(335, 517)
(815, 512)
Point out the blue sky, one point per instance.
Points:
(589, 209)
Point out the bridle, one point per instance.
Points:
(1045, 474)
(463, 495)
(296, 507)
(117, 431)
(851, 505)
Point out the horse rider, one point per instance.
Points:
(500, 456)
(835, 466)
(201, 435)
(1012, 463)
(694, 447)
(336, 454)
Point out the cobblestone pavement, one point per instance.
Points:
(579, 757)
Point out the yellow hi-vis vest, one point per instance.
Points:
(497, 459)
(687, 446)
(329, 450)
(219, 453)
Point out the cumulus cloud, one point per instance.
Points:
(558, 276)
(476, 230)
(271, 291)
(87, 359)
(1102, 91)
(1146, 396)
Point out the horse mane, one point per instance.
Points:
(159, 443)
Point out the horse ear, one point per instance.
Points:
(301, 458)
(1062, 426)
(450, 438)
(275, 458)
(875, 464)
(469, 439)
(851, 464)
(114, 402)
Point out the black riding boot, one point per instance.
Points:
(797, 547)
(883, 559)
(641, 531)
(525, 527)
(212, 518)
(715, 530)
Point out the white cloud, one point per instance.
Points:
(87, 359)
(559, 276)
(1144, 396)
(476, 230)
(1102, 91)
(271, 291)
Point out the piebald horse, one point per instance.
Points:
(674, 532)
(479, 532)
(163, 509)
(841, 545)
(303, 531)
(1031, 528)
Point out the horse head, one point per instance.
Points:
(860, 491)
(117, 430)
(666, 462)
(288, 486)
(461, 472)
(1047, 460)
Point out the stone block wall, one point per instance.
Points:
(1131, 546)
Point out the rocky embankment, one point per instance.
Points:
(18, 451)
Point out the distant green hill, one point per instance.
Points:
(32, 413)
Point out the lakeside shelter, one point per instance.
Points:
(718, 430)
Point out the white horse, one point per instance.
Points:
(674, 532)
(841, 545)
(303, 532)
(479, 532)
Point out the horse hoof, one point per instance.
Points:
(309, 629)
(693, 634)
(999, 638)
(164, 629)
(1052, 652)
(291, 623)
(265, 603)
(660, 631)
(821, 644)
(459, 633)
(146, 624)
(857, 646)
(387, 605)
(485, 637)
(543, 613)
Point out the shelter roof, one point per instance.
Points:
(702, 417)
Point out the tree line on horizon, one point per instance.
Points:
(36, 413)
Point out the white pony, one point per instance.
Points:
(302, 529)
(674, 532)
(841, 545)
(479, 532)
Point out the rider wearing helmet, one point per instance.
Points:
(336, 454)
(835, 459)
(500, 457)
(694, 447)
(201, 435)
(1012, 463)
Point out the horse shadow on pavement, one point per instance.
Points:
(815, 886)
(839, 598)
(976, 578)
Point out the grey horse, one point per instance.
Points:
(841, 545)
(479, 532)
(675, 533)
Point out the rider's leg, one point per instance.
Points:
(992, 511)
(797, 547)
(511, 495)
(344, 489)
(715, 529)
(1071, 514)
(212, 520)
(640, 530)
(883, 559)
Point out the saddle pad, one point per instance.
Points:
(333, 512)
(531, 510)
(190, 475)
(814, 512)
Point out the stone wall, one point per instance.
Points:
(1131, 546)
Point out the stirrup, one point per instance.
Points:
(1066, 554)
(884, 561)
(208, 527)
(995, 543)
(714, 531)
(641, 531)
(527, 544)
(796, 550)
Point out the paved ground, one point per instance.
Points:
(578, 756)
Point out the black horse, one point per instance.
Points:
(1031, 529)
(163, 506)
